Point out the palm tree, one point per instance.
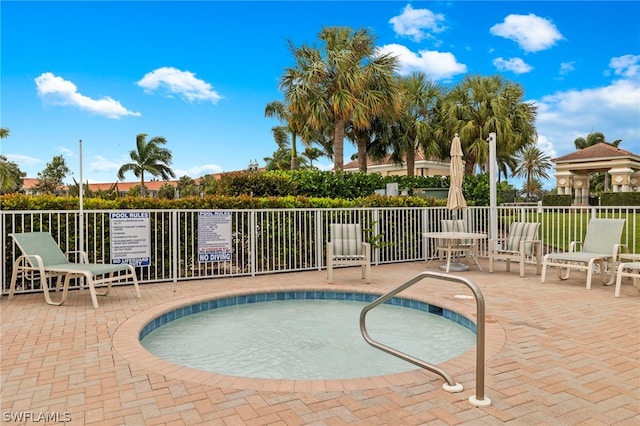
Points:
(345, 81)
(294, 125)
(481, 105)
(281, 159)
(415, 128)
(532, 165)
(148, 157)
(593, 139)
(6, 179)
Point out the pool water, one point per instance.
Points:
(306, 339)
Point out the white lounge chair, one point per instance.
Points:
(522, 242)
(43, 259)
(601, 244)
(628, 269)
(346, 248)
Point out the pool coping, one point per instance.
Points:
(126, 342)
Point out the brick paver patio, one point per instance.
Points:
(557, 354)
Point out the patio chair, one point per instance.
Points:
(458, 246)
(346, 248)
(43, 259)
(628, 269)
(601, 244)
(521, 242)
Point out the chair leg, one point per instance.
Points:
(490, 262)
(590, 270)
(135, 281)
(543, 274)
(92, 290)
(521, 260)
(619, 280)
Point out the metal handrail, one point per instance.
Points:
(451, 386)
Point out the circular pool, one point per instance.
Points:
(304, 335)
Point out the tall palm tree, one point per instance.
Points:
(415, 128)
(294, 125)
(532, 165)
(482, 105)
(344, 81)
(148, 157)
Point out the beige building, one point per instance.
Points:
(573, 171)
(386, 167)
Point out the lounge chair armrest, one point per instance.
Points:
(617, 251)
(83, 255)
(34, 257)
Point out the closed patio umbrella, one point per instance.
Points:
(456, 200)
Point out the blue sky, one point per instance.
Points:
(200, 73)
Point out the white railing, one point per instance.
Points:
(283, 240)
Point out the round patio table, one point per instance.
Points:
(451, 246)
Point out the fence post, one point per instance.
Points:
(175, 244)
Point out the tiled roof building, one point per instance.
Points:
(621, 169)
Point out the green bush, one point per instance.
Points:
(620, 199)
(556, 200)
(50, 202)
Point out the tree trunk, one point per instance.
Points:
(294, 153)
(411, 158)
(362, 155)
(469, 165)
(338, 146)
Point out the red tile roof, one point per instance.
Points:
(599, 150)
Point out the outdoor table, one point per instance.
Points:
(451, 247)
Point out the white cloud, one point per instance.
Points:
(23, 160)
(531, 32)
(612, 110)
(435, 65)
(417, 24)
(515, 65)
(182, 83)
(198, 171)
(58, 91)
(627, 66)
(66, 152)
(101, 164)
(567, 67)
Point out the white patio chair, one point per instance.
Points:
(346, 248)
(628, 269)
(521, 242)
(601, 244)
(43, 259)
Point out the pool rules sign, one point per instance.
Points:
(214, 236)
(130, 235)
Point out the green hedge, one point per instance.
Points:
(556, 200)
(50, 202)
(620, 199)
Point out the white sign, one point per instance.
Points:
(130, 235)
(214, 236)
